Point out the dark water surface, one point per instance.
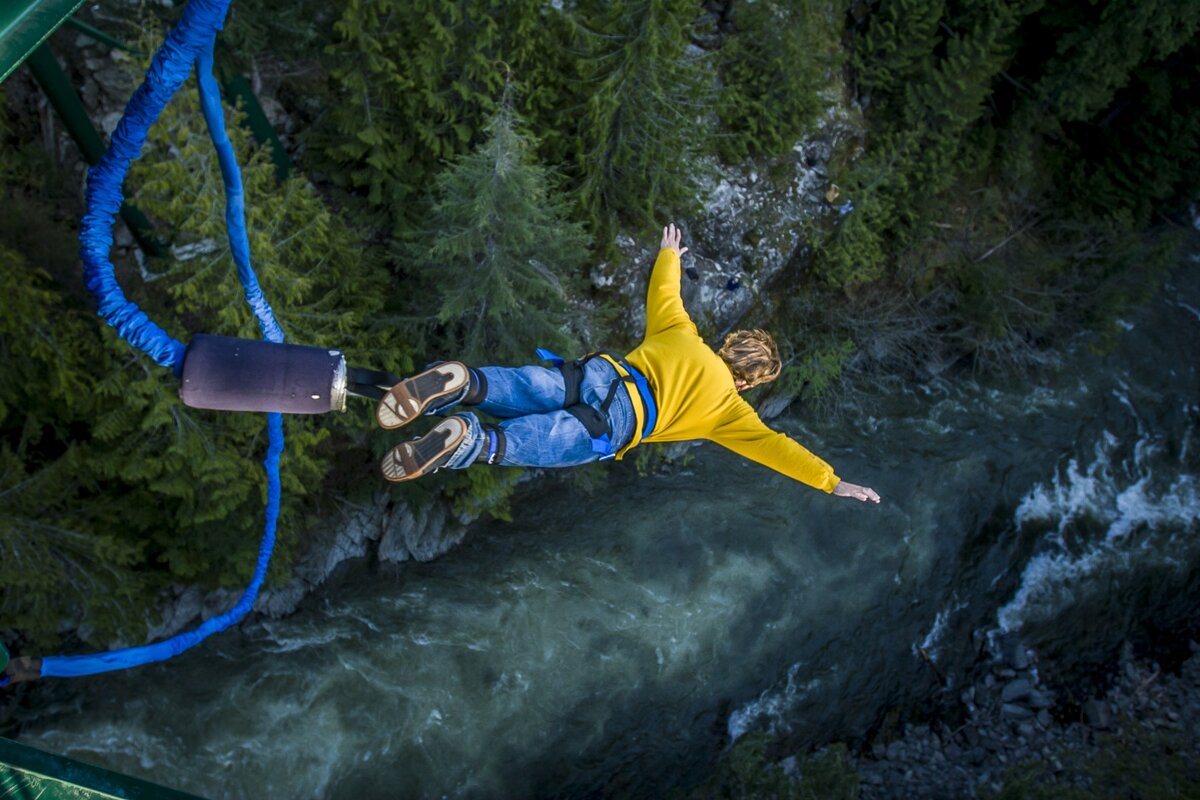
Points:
(614, 644)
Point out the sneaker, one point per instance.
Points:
(427, 453)
(411, 397)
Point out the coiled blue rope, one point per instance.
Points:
(189, 42)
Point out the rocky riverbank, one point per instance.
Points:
(1021, 734)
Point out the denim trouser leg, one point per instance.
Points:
(537, 431)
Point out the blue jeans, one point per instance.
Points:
(538, 432)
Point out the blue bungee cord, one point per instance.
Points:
(190, 42)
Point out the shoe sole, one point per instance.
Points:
(410, 398)
(425, 454)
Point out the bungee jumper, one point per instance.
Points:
(672, 387)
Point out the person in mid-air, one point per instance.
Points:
(672, 388)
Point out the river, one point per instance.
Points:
(616, 643)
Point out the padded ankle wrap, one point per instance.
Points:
(477, 391)
(494, 447)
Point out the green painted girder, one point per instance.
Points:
(27, 773)
(25, 24)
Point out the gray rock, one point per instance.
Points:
(421, 534)
(1027, 730)
(1012, 650)
(1040, 699)
(1043, 717)
(1097, 714)
(1014, 711)
(896, 750)
(178, 614)
(1016, 690)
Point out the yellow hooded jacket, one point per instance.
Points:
(694, 390)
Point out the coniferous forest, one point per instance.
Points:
(1020, 171)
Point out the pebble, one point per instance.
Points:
(1015, 690)
(1097, 714)
(1015, 711)
(1013, 651)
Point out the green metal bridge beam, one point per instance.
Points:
(25, 24)
(29, 773)
(61, 94)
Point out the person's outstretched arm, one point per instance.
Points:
(664, 305)
(748, 436)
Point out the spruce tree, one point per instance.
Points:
(773, 67)
(415, 81)
(641, 129)
(499, 255)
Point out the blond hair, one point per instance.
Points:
(751, 356)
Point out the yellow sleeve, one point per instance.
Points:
(749, 437)
(664, 305)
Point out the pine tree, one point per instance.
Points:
(416, 81)
(63, 554)
(641, 132)
(500, 255)
(773, 67)
(898, 48)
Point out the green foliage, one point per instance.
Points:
(474, 492)
(818, 373)
(287, 30)
(499, 256)
(65, 553)
(773, 67)
(1135, 762)
(1093, 54)
(640, 130)
(898, 46)
(745, 773)
(1008, 140)
(416, 82)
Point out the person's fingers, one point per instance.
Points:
(684, 250)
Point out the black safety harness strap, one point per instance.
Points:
(594, 420)
(372, 383)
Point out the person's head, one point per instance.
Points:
(752, 357)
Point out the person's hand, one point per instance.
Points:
(862, 493)
(671, 239)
